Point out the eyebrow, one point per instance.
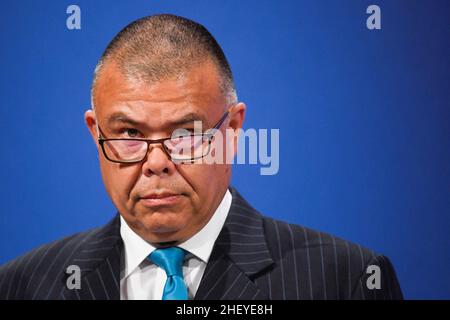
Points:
(123, 118)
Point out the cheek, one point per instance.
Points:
(118, 181)
(205, 180)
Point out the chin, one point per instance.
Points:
(163, 227)
(160, 236)
(163, 230)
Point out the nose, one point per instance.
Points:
(157, 162)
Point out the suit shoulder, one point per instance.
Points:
(297, 237)
(43, 262)
(334, 267)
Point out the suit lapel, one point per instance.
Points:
(99, 261)
(239, 255)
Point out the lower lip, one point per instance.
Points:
(161, 201)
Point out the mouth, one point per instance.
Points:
(160, 199)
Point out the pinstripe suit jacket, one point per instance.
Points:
(254, 257)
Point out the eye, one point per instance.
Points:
(130, 133)
(182, 132)
(193, 131)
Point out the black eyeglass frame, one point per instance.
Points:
(209, 135)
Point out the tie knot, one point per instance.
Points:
(169, 259)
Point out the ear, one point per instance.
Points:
(91, 121)
(237, 117)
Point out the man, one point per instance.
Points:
(181, 231)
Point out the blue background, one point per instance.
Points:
(363, 117)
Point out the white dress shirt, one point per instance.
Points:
(140, 279)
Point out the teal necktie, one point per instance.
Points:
(171, 260)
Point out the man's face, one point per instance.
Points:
(132, 109)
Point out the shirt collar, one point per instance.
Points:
(200, 245)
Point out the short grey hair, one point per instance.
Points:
(158, 47)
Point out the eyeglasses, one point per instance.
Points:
(182, 148)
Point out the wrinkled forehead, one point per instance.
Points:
(190, 96)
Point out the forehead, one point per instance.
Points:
(195, 93)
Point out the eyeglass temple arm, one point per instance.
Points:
(224, 117)
(101, 135)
